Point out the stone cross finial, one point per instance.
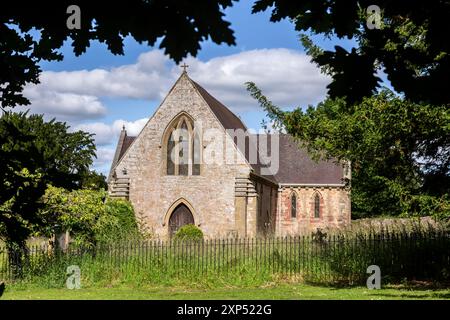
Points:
(184, 66)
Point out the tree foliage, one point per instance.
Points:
(124, 225)
(34, 153)
(94, 181)
(409, 46)
(399, 150)
(398, 146)
(34, 31)
(89, 215)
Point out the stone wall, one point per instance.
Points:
(211, 195)
(335, 209)
(267, 207)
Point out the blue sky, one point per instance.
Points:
(98, 91)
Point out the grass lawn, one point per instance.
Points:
(282, 291)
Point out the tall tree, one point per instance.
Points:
(398, 146)
(399, 150)
(94, 181)
(32, 31)
(409, 44)
(33, 154)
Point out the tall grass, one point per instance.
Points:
(421, 254)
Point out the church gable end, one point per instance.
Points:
(183, 94)
(166, 163)
(155, 182)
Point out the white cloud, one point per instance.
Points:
(63, 105)
(106, 137)
(105, 155)
(133, 127)
(286, 76)
(108, 134)
(103, 132)
(104, 158)
(146, 79)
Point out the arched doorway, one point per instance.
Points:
(180, 217)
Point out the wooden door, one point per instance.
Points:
(180, 217)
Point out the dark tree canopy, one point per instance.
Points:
(94, 181)
(398, 145)
(399, 150)
(181, 25)
(33, 154)
(411, 46)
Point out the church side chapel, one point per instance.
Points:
(168, 175)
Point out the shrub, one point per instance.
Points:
(119, 222)
(77, 211)
(189, 232)
(89, 215)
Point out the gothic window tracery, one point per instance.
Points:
(183, 148)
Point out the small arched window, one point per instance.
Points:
(293, 206)
(316, 206)
(183, 148)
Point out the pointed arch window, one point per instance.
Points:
(183, 148)
(196, 154)
(170, 153)
(293, 206)
(316, 206)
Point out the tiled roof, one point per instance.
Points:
(297, 167)
(228, 119)
(128, 140)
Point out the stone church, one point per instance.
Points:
(195, 162)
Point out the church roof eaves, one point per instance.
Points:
(296, 167)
